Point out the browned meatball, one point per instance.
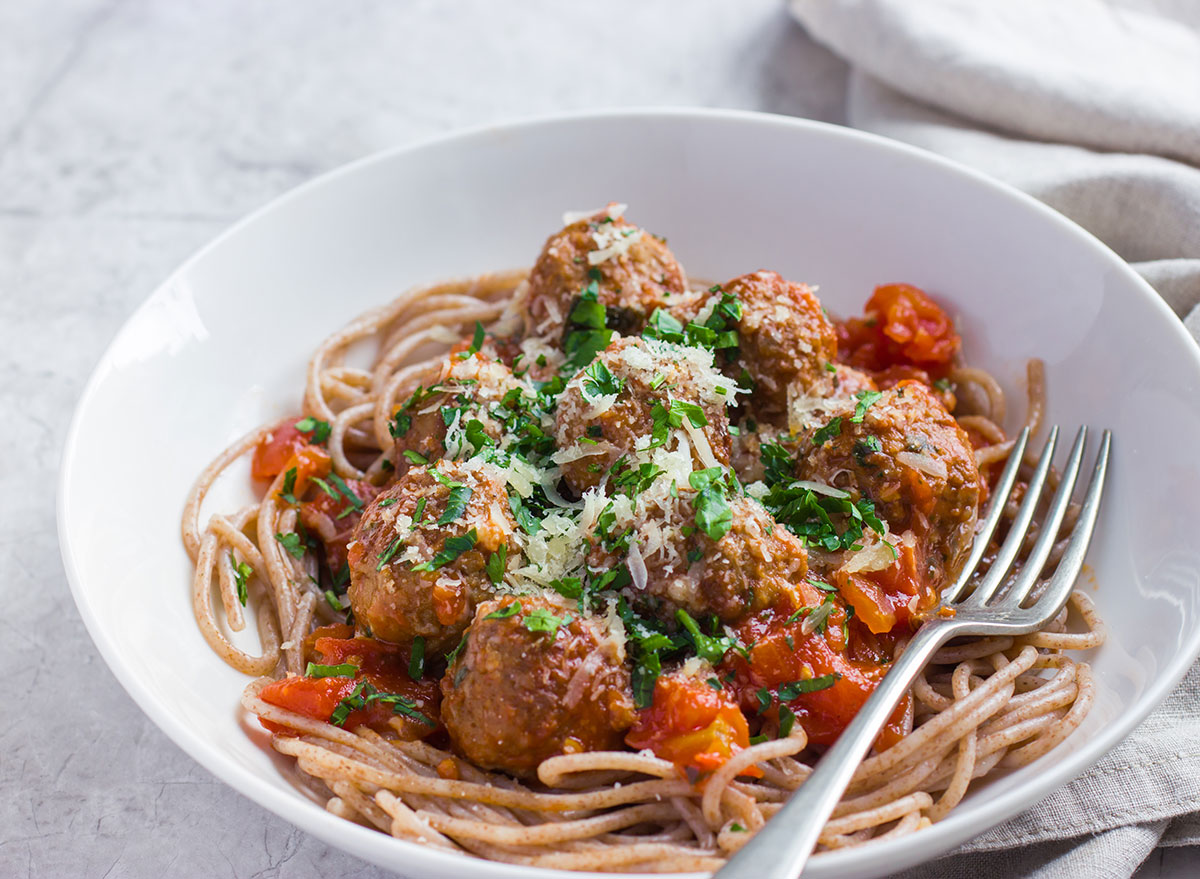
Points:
(909, 456)
(784, 340)
(749, 569)
(535, 680)
(464, 389)
(634, 273)
(410, 576)
(609, 409)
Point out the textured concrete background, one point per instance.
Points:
(130, 134)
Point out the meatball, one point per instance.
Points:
(909, 456)
(784, 340)
(752, 567)
(633, 272)
(535, 680)
(633, 389)
(412, 576)
(464, 389)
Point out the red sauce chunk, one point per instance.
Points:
(692, 724)
(818, 676)
(901, 328)
(384, 667)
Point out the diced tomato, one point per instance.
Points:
(691, 724)
(883, 599)
(273, 451)
(383, 665)
(308, 462)
(782, 654)
(334, 519)
(901, 327)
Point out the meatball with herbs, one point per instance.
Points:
(785, 340)
(458, 409)
(729, 562)
(601, 271)
(419, 558)
(535, 679)
(902, 450)
(636, 396)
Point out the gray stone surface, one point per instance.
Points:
(133, 132)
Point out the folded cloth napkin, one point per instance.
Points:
(1094, 108)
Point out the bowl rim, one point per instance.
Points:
(372, 845)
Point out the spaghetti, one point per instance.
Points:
(979, 707)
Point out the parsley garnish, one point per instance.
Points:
(599, 381)
(866, 399)
(568, 587)
(713, 515)
(242, 573)
(505, 612)
(789, 691)
(452, 549)
(289, 486)
(320, 430)
(416, 659)
(829, 431)
(365, 694)
(787, 719)
(414, 457)
(497, 563)
(708, 648)
(456, 503)
(541, 620)
(292, 543)
(453, 654)
(345, 670)
(477, 341)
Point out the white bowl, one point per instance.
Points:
(220, 347)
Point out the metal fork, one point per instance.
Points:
(781, 848)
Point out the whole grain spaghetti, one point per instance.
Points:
(591, 562)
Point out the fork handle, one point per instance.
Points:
(781, 848)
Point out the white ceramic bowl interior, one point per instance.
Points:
(222, 345)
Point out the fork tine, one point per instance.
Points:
(983, 534)
(1031, 570)
(1016, 532)
(1071, 563)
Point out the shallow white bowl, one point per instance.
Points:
(220, 347)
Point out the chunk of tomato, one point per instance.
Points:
(273, 451)
(783, 654)
(692, 724)
(384, 666)
(901, 327)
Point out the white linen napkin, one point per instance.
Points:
(1094, 108)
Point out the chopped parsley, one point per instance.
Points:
(320, 430)
(709, 648)
(568, 587)
(866, 399)
(497, 564)
(787, 720)
(345, 670)
(599, 381)
(452, 549)
(416, 659)
(292, 543)
(789, 691)
(713, 515)
(541, 620)
(242, 573)
(505, 612)
(414, 457)
(828, 432)
(289, 486)
(365, 694)
(456, 503)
